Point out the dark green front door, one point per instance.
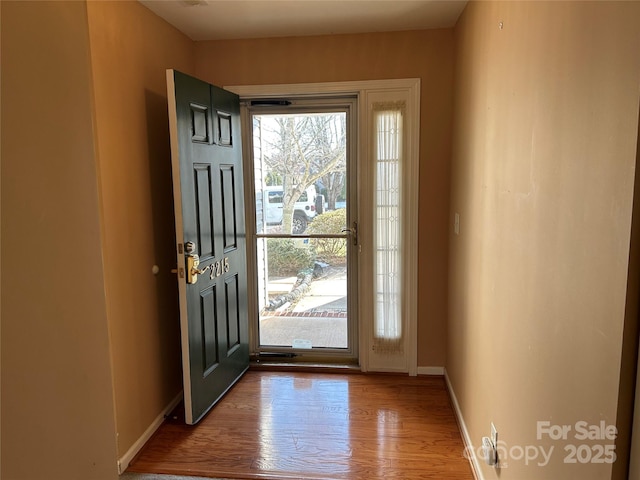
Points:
(210, 231)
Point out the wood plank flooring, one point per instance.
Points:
(283, 425)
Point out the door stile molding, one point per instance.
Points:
(179, 222)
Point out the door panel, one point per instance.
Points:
(233, 310)
(227, 184)
(204, 210)
(209, 207)
(209, 321)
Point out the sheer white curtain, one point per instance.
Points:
(388, 151)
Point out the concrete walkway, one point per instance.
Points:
(318, 319)
(314, 331)
(327, 294)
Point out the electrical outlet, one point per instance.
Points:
(489, 452)
(494, 435)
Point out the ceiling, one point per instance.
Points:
(233, 19)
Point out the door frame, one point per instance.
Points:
(302, 106)
(410, 88)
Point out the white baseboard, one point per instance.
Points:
(473, 458)
(430, 370)
(124, 461)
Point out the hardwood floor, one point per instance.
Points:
(282, 425)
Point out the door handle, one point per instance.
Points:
(353, 231)
(217, 269)
(193, 261)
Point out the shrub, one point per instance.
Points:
(287, 258)
(330, 250)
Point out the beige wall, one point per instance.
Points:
(546, 122)
(130, 50)
(57, 401)
(427, 55)
(544, 151)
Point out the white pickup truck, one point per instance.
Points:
(304, 212)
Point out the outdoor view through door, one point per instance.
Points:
(305, 230)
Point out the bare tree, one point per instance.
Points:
(334, 183)
(301, 150)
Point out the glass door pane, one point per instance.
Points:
(303, 244)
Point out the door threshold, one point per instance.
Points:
(313, 367)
